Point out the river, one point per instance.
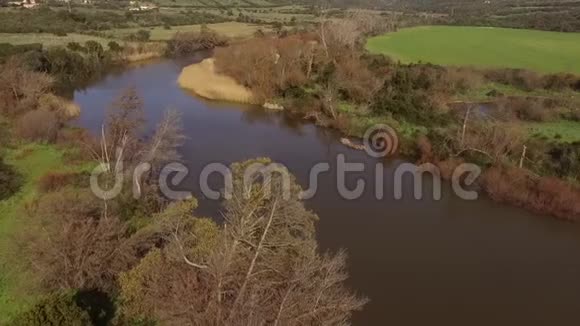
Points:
(427, 262)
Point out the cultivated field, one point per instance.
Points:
(48, 39)
(230, 29)
(483, 46)
(216, 3)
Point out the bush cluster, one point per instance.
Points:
(10, 180)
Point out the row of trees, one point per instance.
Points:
(61, 21)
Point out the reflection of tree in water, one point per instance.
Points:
(327, 137)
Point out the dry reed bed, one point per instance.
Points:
(203, 80)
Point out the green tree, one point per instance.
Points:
(55, 310)
(10, 180)
(115, 47)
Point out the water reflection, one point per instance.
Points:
(447, 262)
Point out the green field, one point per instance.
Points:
(230, 29)
(559, 131)
(48, 39)
(483, 46)
(216, 3)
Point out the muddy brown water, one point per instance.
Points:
(426, 262)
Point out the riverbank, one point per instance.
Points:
(425, 140)
(464, 237)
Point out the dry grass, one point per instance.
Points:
(203, 80)
(133, 52)
(64, 108)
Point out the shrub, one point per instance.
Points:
(64, 108)
(38, 125)
(545, 195)
(184, 43)
(523, 79)
(55, 310)
(560, 82)
(10, 180)
(7, 50)
(94, 47)
(141, 35)
(54, 181)
(114, 47)
(75, 46)
(20, 88)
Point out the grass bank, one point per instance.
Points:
(560, 131)
(541, 51)
(32, 161)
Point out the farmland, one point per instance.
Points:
(230, 29)
(48, 39)
(547, 52)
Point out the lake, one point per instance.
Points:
(421, 262)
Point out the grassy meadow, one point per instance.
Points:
(48, 39)
(159, 33)
(32, 161)
(559, 131)
(546, 52)
(229, 29)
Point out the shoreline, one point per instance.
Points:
(202, 79)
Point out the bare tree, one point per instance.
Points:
(261, 267)
(20, 88)
(71, 246)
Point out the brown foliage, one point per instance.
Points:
(267, 65)
(71, 245)
(38, 125)
(495, 140)
(448, 167)
(54, 181)
(21, 88)
(184, 43)
(425, 150)
(355, 79)
(522, 108)
(523, 79)
(63, 108)
(546, 195)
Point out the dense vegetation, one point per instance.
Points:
(10, 180)
(61, 21)
(334, 82)
(100, 261)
